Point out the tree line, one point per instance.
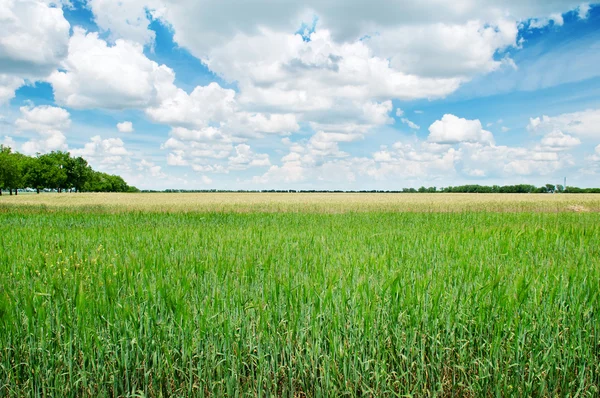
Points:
(521, 188)
(56, 170)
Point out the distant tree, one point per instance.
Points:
(560, 188)
(34, 174)
(54, 172)
(550, 188)
(78, 173)
(10, 170)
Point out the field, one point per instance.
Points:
(299, 295)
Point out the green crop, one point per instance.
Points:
(299, 304)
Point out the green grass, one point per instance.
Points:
(299, 304)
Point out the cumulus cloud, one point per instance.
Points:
(585, 124)
(48, 122)
(453, 130)
(201, 25)
(48, 140)
(594, 158)
(290, 74)
(106, 154)
(125, 127)
(8, 85)
(510, 162)
(123, 19)
(245, 158)
(33, 38)
(213, 104)
(557, 140)
(446, 50)
(42, 118)
(151, 169)
(95, 75)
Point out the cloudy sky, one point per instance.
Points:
(327, 94)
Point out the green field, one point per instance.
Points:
(110, 298)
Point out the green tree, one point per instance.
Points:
(34, 174)
(10, 170)
(78, 173)
(54, 172)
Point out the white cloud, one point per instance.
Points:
(125, 127)
(197, 109)
(585, 124)
(47, 122)
(377, 112)
(556, 140)
(210, 168)
(213, 104)
(281, 71)
(452, 130)
(595, 157)
(33, 38)
(202, 25)
(96, 75)
(151, 169)
(511, 162)
(9, 142)
(474, 172)
(426, 50)
(413, 160)
(207, 134)
(399, 112)
(410, 124)
(176, 158)
(583, 11)
(504, 129)
(446, 50)
(245, 158)
(8, 85)
(105, 154)
(123, 19)
(49, 140)
(42, 118)
(538, 23)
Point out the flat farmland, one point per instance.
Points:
(302, 202)
(297, 295)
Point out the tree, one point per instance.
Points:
(34, 174)
(550, 188)
(78, 173)
(10, 170)
(54, 173)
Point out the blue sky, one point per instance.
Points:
(215, 94)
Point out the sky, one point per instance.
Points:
(327, 94)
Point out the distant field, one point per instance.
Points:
(222, 295)
(296, 202)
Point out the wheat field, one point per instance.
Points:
(299, 295)
(303, 202)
